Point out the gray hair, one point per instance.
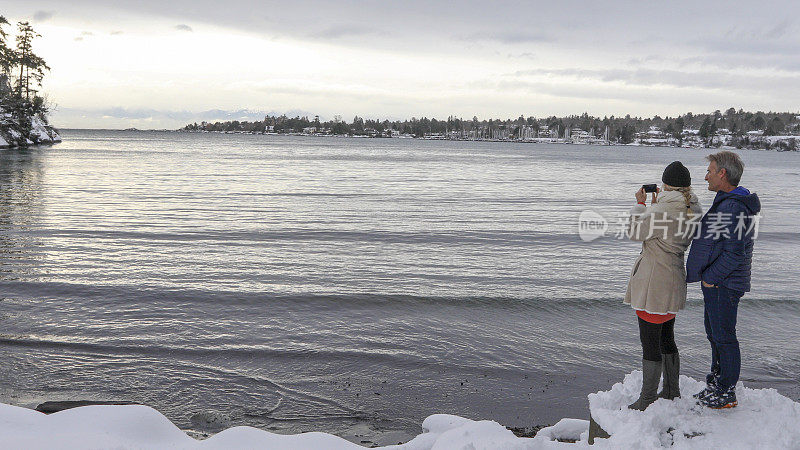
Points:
(732, 164)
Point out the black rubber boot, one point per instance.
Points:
(671, 368)
(651, 375)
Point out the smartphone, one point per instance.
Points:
(650, 187)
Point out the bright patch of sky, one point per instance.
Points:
(155, 64)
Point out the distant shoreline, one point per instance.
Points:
(426, 138)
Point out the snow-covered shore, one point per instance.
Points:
(11, 136)
(764, 419)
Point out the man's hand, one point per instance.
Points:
(708, 285)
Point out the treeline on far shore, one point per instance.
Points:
(741, 128)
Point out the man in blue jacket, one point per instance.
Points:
(720, 258)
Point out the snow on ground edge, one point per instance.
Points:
(764, 419)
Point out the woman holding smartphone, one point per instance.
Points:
(657, 285)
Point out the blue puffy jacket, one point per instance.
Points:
(720, 260)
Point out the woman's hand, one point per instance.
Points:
(655, 196)
(641, 196)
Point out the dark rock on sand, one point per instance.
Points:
(52, 407)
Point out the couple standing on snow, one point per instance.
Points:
(720, 258)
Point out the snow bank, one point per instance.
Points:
(764, 419)
(42, 133)
(11, 133)
(141, 427)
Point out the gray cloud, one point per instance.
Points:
(42, 16)
(639, 60)
(753, 61)
(617, 49)
(507, 37)
(750, 47)
(779, 38)
(183, 27)
(525, 55)
(685, 98)
(775, 31)
(344, 31)
(708, 80)
(680, 26)
(116, 33)
(330, 92)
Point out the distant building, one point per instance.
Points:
(579, 136)
(526, 132)
(546, 132)
(654, 136)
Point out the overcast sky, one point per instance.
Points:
(161, 64)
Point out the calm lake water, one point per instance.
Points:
(352, 286)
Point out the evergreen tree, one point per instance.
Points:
(705, 128)
(6, 54)
(759, 123)
(30, 64)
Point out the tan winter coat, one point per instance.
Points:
(658, 279)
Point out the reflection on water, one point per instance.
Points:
(21, 210)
